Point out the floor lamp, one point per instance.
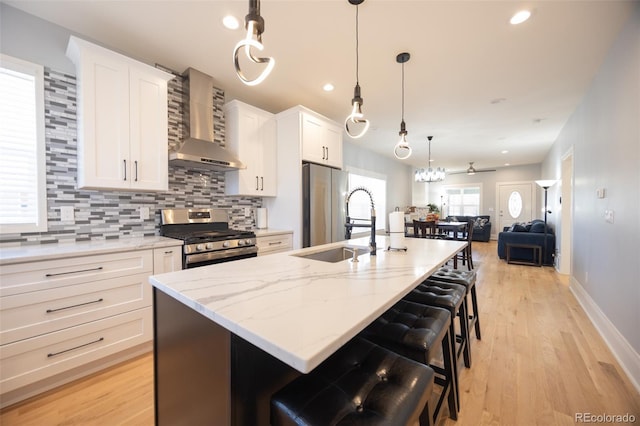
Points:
(545, 184)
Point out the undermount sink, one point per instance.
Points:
(335, 254)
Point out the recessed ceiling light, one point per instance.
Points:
(230, 22)
(507, 164)
(520, 17)
(504, 151)
(328, 87)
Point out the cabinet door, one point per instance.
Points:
(251, 136)
(333, 142)
(103, 123)
(168, 259)
(148, 124)
(269, 181)
(313, 148)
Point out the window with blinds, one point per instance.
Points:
(463, 200)
(22, 151)
(360, 204)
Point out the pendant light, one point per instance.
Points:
(430, 174)
(402, 150)
(255, 27)
(356, 118)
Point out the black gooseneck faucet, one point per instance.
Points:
(349, 226)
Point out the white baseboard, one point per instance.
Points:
(628, 358)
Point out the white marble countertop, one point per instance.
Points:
(32, 253)
(301, 310)
(265, 232)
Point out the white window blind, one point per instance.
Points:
(22, 151)
(463, 200)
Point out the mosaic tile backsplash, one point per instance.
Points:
(116, 214)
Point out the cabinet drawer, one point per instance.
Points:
(27, 315)
(274, 243)
(33, 276)
(34, 359)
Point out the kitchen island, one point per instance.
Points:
(229, 335)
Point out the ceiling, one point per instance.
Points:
(476, 83)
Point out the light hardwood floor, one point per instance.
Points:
(540, 361)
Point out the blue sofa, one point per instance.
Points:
(530, 233)
(481, 227)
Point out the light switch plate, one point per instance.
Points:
(67, 214)
(144, 213)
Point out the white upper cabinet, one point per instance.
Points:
(251, 136)
(122, 120)
(321, 140)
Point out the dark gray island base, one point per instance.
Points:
(206, 375)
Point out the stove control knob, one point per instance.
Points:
(248, 242)
(240, 243)
(209, 246)
(200, 247)
(225, 244)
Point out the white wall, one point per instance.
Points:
(398, 175)
(604, 132)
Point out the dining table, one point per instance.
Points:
(437, 229)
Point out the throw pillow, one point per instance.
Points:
(519, 228)
(480, 222)
(537, 227)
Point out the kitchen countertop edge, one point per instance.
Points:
(32, 253)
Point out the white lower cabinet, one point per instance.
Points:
(57, 316)
(167, 259)
(270, 244)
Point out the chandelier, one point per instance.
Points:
(430, 174)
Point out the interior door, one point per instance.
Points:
(515, 203)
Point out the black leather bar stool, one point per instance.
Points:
(361, 384)
(464, 347)
(420, 332)
(451, 299)
(467, 279)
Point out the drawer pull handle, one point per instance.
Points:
(168, 252)
(75, 347)
(74, 306)
(275, 243)
(74, 272)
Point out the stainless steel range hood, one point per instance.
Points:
(199, 151)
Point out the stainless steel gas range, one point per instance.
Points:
(207, 236)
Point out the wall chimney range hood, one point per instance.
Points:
(199, 151)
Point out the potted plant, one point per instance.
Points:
(434, 210)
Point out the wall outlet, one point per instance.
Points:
(67, 214)
(144, 213)
(608, 216)
(247, 212)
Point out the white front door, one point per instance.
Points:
(515, 203)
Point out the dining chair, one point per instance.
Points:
(465, 255)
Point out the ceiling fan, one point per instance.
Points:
(472, 170)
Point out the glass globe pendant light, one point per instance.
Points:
(255, 27)
(402, 150)
(356, 120)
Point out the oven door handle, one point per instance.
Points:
(220, 254)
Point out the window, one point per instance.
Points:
(22, 152)
(360, 204)
(463, 200)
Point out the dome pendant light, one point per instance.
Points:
(429, 175)
(402, 150)
(255, 27)
(356, 118)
